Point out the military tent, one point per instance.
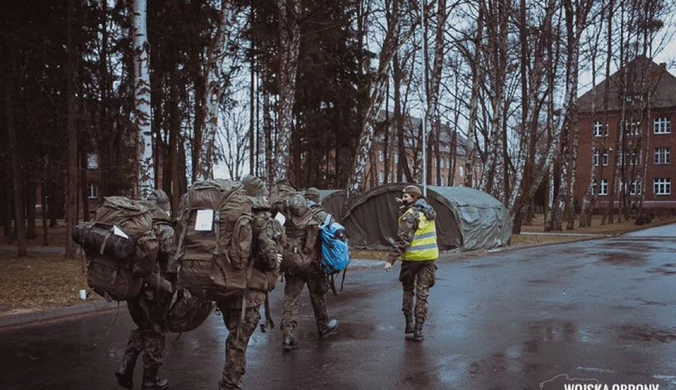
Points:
(467, 219)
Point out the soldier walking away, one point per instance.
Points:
(300, 267)
(149, 309)
(416, 245)
(241, 313)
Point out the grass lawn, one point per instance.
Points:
(39, 281)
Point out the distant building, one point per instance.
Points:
(648, 102)
(451, 161)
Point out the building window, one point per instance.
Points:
(461, 169)
(662, 126)
(634, 188)
(396, 157)
(93, 191)
(389, 177)
(633, 129)
(630, 159)
(595, 158)
(381, 155)
(598, 129)
(92, 161)
(605, 158)
(604, 187)
(381, 176)
(662, 186)
(662, 156)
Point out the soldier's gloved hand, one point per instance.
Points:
(388, 266)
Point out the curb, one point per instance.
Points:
(57, 313)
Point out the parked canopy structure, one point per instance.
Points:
(467, 219)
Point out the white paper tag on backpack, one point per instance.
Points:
(280, 218)
(118, 232)
(204, 221)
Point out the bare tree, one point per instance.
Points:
(393, 40)
(233, 140)
(71, 194)
(289, 34)
(214, 80)
(146, 169)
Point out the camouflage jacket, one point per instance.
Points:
(408, 224)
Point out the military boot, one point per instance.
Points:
(151, 381)
(330, 328)
(125, 374)
(289, 343)
(418, 331)
(409, 324)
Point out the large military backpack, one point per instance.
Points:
(214, 233)
(120, 246)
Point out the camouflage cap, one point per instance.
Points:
(313, 194)
(299, 209)
(162, 199)
(254, 186)
(413, 191)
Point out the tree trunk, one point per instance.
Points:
(474, 98)
(71, 194)
(267, 129)
(43, 188)
(30, 201)
(84, 186)
(289, 33)
(142, 112)
(16, 174)
(213, 92)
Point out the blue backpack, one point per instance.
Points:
(335, 254)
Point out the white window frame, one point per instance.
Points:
(595, 157)
(661, 186)
(635, 187)
(606, 157)
(381, 156)
(597, 129)
(381, 177)
(631, 130)
(662, 125)
(93, 191)
(603, 190)
(662, 156)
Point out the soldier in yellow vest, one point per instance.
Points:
(416, 245)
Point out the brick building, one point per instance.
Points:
(451, 164)
(642, 104)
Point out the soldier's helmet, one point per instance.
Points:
(254, 186)
(162, 199)
(299, 209)
(312, 194)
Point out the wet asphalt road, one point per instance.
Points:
(603, 311)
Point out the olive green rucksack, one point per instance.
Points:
(120, 246)
(214, 237)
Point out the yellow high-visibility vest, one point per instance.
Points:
(424, 245)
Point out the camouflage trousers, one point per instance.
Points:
(417, 277)
(236, 344)
(318, 285)
(150, 342)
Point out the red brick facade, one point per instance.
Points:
(651, 136)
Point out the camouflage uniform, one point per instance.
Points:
(416, 277)
(301, 266)
(268, 242)
(149, 311)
